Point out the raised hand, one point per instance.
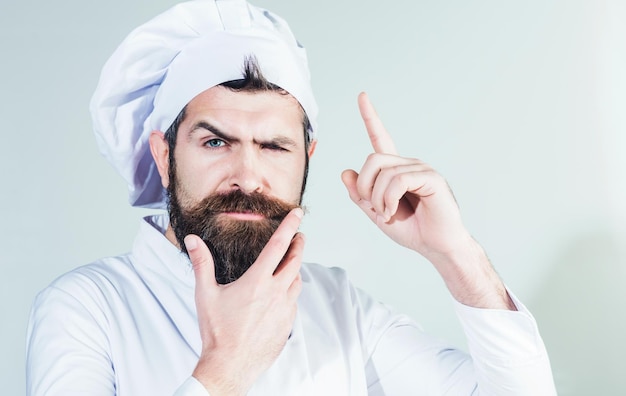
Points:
(406, 198)
(411, 203)
(245, 324)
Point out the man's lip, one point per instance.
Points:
(244, 215)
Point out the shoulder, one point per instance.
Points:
(325, 283)
(334, 283)
(331, 286)
(89, 285)
(101, 272)
(329, 297)
(317, 273)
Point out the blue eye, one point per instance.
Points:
(214, 143)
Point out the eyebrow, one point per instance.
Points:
(213, 129)
(277, 140)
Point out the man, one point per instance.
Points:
(208, 109)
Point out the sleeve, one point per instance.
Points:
(191, 387)
(507, 357)
(508, 354)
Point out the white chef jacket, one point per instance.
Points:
(127, 325)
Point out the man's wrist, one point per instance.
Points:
(471, 279)
(217, 383)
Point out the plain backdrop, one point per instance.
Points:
(521, 105)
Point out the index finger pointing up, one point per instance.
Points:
(379, 137)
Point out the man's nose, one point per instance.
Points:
(247, 173)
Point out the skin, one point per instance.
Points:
(408, 200)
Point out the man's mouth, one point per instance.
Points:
(248, 216)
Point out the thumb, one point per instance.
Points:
(202, 263)
(349, 178)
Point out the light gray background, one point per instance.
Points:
(521, 105)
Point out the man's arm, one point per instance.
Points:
(411, 203)
(507, 357)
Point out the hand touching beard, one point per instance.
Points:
(235, 244)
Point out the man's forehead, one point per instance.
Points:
(222, 96)
(272, 114)
(221, 99)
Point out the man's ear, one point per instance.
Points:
(160, 150)
(312, 146)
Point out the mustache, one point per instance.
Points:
(240, 202)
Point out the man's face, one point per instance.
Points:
(239, 167)
(247, 141)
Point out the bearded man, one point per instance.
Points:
(237, 312)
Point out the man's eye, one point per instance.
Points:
(274, 147)
(214, 143)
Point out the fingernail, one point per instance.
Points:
(301, 235)
(298, 212)
(190, 242)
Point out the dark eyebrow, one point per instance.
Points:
(280, 141)
(213, 129)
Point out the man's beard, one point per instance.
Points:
(234, 244)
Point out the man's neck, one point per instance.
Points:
(169, 234)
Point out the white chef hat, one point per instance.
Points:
(166, 62)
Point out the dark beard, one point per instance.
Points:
(234, 244)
